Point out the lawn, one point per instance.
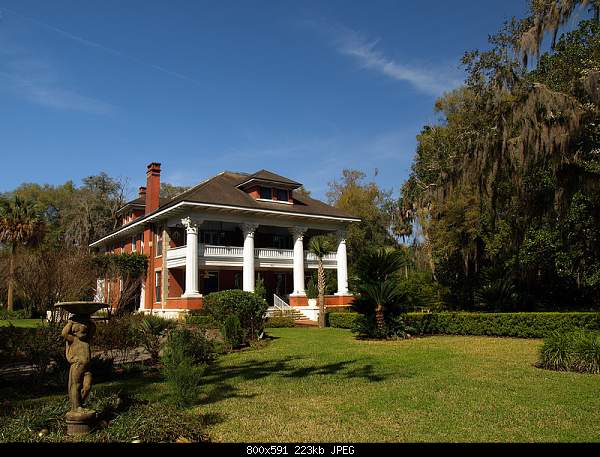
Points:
(29, 323)
(324, 385)
(317, 385)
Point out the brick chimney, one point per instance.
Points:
(152, 187)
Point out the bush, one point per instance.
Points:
(249, 309)
(395, 327)
(520, 325)
(118, 335)
(188, 342)
(184, 359)
(232, 331)
(577, 350)
(200, 321)
(183, 380)
(342, 319)
(150, 332)
(280, 322)
(15, 314)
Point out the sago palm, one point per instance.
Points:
(320, 246)
(378, 275)
(20, 225)
(381, 294)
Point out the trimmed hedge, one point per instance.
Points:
(280, 322)
(521, 325)
(341, 320)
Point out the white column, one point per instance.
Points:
(342, 264)
(298, 234)
(191, 258)
(248, 275)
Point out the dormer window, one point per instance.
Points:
(282, 195)
(266, 193)
(267, 186)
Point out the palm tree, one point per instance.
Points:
(320, 246)
(378, 273)
(20, 224)
(381, 294)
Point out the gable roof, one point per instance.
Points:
(270, 177)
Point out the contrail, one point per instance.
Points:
(93, 44)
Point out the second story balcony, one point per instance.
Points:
(212, 255)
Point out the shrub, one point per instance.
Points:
(557, 351)
(586, 352)
(150, 333)
(102, 368)
(184, 358)
(200, 321)
(249, 309)
(521, 325)
(183, 380)
(5, 314)
(342, 319)
(232, 331)
(188, 342)
(118, 335)
(577, 350)
(280, 322)
(395, 327)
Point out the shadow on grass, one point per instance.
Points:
(221, 380)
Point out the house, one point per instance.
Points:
(222, 234)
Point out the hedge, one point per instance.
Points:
(521, 325)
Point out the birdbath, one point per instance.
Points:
(78, 334)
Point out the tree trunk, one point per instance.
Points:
(379, 317)
(321, 287)
(11, 279)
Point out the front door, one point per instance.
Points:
(210, 282)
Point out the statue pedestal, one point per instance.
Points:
(80, 422)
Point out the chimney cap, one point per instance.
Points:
(154, 166)
(142, 190)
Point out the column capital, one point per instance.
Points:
(191, 224)
(248, 228)
(298, 232)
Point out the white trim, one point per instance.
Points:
(268, 200)
(210, 205)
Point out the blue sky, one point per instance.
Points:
(302, 88)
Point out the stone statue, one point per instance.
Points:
(78, 334)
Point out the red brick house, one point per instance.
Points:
(221, 234)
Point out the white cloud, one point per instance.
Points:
(364, 51)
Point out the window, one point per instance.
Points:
(266, 193)
(214, 238)
(157, 282)
(142, 241)
(159, 242)
(237, 280)
(281, 242)
(282, 195)
(122, 245)
(133, 243)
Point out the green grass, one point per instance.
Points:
(316, 385)
(324, 385)
(28, 323)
